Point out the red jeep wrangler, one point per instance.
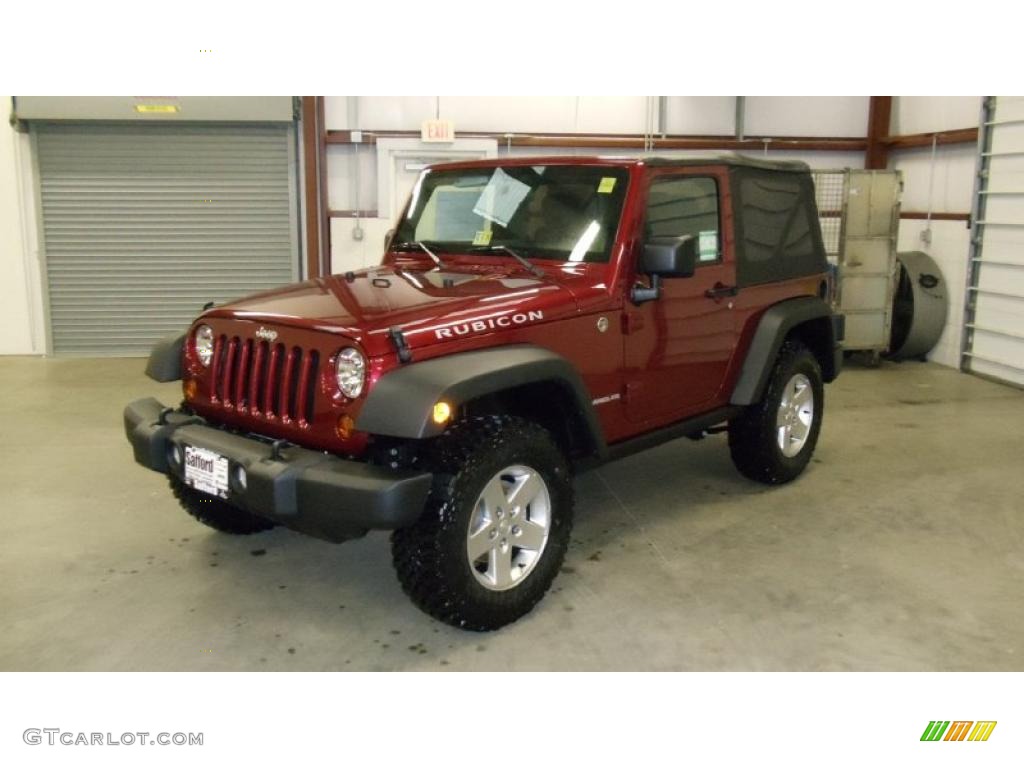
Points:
(531, 317)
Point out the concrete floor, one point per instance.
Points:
(901, 548)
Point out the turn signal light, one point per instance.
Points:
(191, 387)
(442, 412)
(345, 427)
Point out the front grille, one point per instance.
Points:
(272, 381)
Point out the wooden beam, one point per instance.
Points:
(311, 185)
(921, 215)
(916, 140)
(630, 141)
(876, 153)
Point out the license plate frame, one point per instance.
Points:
(206, 470)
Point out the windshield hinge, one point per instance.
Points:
(398, 339)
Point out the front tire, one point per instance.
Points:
(217, 513)
(496, 525)
(772, 441)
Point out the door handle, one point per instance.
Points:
(720, 290)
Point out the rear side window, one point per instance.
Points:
(685, 205)
(779, 235)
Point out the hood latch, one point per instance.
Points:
(398, 339)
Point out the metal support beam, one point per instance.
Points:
(312, 165)
(632, 141)
(876, 154)
(940, 138)
(325, 224)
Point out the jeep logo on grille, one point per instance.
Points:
(266, 334)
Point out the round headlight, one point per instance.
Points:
(204, 344)
(351, 372)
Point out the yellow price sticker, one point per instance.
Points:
(156, 108)
(607, 185)
(483, 237)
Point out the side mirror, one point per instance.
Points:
(669, 256)
(665, 257)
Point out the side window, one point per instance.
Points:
(778, 231)
(685, 205)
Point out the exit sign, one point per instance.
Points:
(438, 131)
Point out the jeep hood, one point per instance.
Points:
(429, 306)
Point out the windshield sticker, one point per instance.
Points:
(607, 185)
(501, 198)
(483, 237)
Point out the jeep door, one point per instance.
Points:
(678, 347)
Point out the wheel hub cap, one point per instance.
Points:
(509, 527)
(795, 415)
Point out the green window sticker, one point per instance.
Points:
(708, 245)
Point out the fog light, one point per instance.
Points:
(175, 454)
(346, 426)
(190, 389)
(241, 480)
(442, 412)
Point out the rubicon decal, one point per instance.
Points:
(489, 324)
(958, 730)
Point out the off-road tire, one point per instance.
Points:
(431, 557)
(753, 440)
(217, 513)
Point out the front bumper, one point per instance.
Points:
(309, 491)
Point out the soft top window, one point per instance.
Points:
(777, 224)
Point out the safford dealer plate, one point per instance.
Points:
(206, 471)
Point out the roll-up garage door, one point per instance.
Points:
(994, 320)
(144, 224)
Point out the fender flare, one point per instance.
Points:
(772, 329)
(401, 402)
(164, 362)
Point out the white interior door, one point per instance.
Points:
(400, 161)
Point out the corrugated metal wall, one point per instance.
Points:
(143, 225)
(994, 320)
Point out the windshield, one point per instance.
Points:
(558, 212)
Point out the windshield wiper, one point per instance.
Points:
(421, 246)
(532, 268)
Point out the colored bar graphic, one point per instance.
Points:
(935, 730)
(982, 730)
(958, 731)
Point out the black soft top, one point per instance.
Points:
(738, 161)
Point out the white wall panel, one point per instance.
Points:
(515, 114)
(953, 182)
(1008, 138)
(701, 115)
(806, 116)
(949, 246)
(347, 253)
(385, 113)
(1006, 174)
(1010, 108)
(341, 192)
(611, 114)
(16, 294)
(925, 114)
